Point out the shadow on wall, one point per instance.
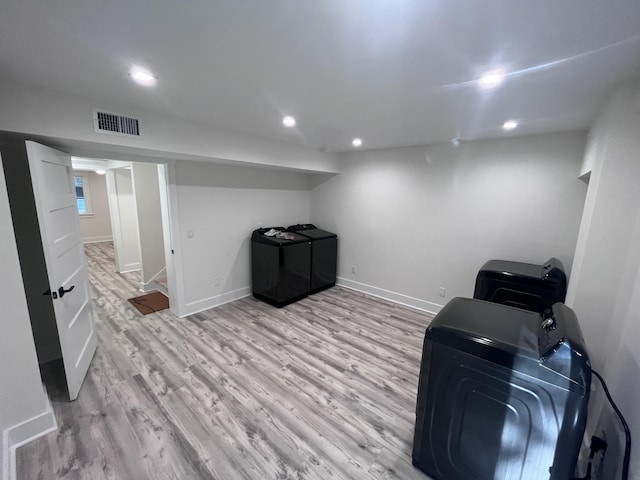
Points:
(320, 178)
(201, 174)
(625, 390)
(241, 268)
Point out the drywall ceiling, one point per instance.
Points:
(89, 164)
(394, 72)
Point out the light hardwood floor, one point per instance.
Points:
(321, 389)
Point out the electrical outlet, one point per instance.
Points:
(442, 292)
(216, 282)
(354, 269)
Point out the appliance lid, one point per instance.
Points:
(310, 230)
(277, 236)
(514, 268)
(490, 326)
(317, 234)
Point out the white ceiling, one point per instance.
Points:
(394, 72)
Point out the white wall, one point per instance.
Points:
(222, 205)
(97, 227)
(415, 219)
(147, 196)
(604, 288)
(24, 408)
(67, 120)
(124, 219)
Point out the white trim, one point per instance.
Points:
(114, 214)
(153, 286)
(131, 267)
(23, 433)
(394, 297)
(172, 242)
(98, 239)
(215, 301)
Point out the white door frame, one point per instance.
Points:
(171, 233)
(170, 230)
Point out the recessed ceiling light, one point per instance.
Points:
(289, 121)
(142, 76)
(510, 125)
(491, 79)
(357, 142)
(101, 172)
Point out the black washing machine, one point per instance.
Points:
(324, 255)
(522, 285)
(280, 265)
(502, 394)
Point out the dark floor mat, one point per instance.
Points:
(151, 302)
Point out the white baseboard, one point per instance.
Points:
(417, 303)
(395, 297)
(152, 286)
(21, 434)
(131, 267)
(97, 239)
(211, 302)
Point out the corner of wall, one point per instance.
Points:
(24, 432)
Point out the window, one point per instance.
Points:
(83, 195)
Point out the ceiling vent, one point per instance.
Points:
(115, 124)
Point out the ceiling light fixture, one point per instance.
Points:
(142, 76)
(357, 142)
(101, 172)
(491, 79)
(509, 124)
(289, 121)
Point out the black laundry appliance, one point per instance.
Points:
(280, 265)
(324, 255)
(502, 394)
(522, 285)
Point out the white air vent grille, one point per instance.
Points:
(114, 124)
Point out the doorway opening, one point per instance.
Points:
(48, 200)
(125, 204)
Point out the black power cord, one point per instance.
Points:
(627, 433)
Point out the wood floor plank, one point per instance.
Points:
(322, 389)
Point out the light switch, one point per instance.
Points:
(189, 233)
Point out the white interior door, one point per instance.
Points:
(54, 191)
